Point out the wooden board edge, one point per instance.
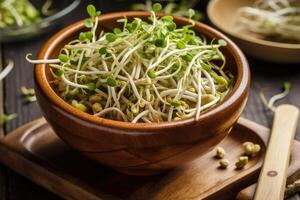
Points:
(43, 177)
(37, 173)
(262, 131)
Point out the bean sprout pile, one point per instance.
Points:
(180, 8)
(144, 72)
(275, 19)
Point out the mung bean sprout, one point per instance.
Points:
(145, 71)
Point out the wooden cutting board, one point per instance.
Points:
(37, 153)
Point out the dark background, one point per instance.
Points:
(267, 77)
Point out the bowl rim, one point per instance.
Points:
(239, 89)
(69, 8)
(210, 14)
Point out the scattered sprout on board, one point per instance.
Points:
(29, 94)
(172, 8)
(7, 69)
(142, 72)
(5, 119)
(21, 12)
(275, 19)
(270, 104)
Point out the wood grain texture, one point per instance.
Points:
(2, 63)
(32, 151)
(269, 78)
(272, 179)
(18, 187)
(3, 177)
(3, 182)
(266, 77)
(35, 147)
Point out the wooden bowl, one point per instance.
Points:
(223, 15)
(140, 149)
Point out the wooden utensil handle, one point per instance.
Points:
(272, 179)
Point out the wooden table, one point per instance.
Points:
(266, 77)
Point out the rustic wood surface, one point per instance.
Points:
(266, 77)
(32, 151)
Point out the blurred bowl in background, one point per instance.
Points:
(64, 9)
(223, 15)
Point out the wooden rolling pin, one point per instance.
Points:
(272, 180)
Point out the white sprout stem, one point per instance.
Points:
(133, 72)
(145, 119)
(165, 49)
(204, 107)
(113, 92)
(76, 85)
(277, 97)
(101, 93)
(199, 95)
(121, 64)
(138, 71)
(139, 116)
(78, 71)
(265, 101)
(46, 61)
(7, 70)
(108, 102)
(211, 82)
(170, 75)
(180, 90)
(187, 72)
(121, 92)
(157, 112)
(170, 114)
(165, 69)
(181, 51)
(173, 92)
(132, 85)
(79, 65)
(106, 110)
(158, 95)
(94, 30)
(83, 46)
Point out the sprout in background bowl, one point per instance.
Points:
(21, 12)
(23, 19)
(277, 20)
